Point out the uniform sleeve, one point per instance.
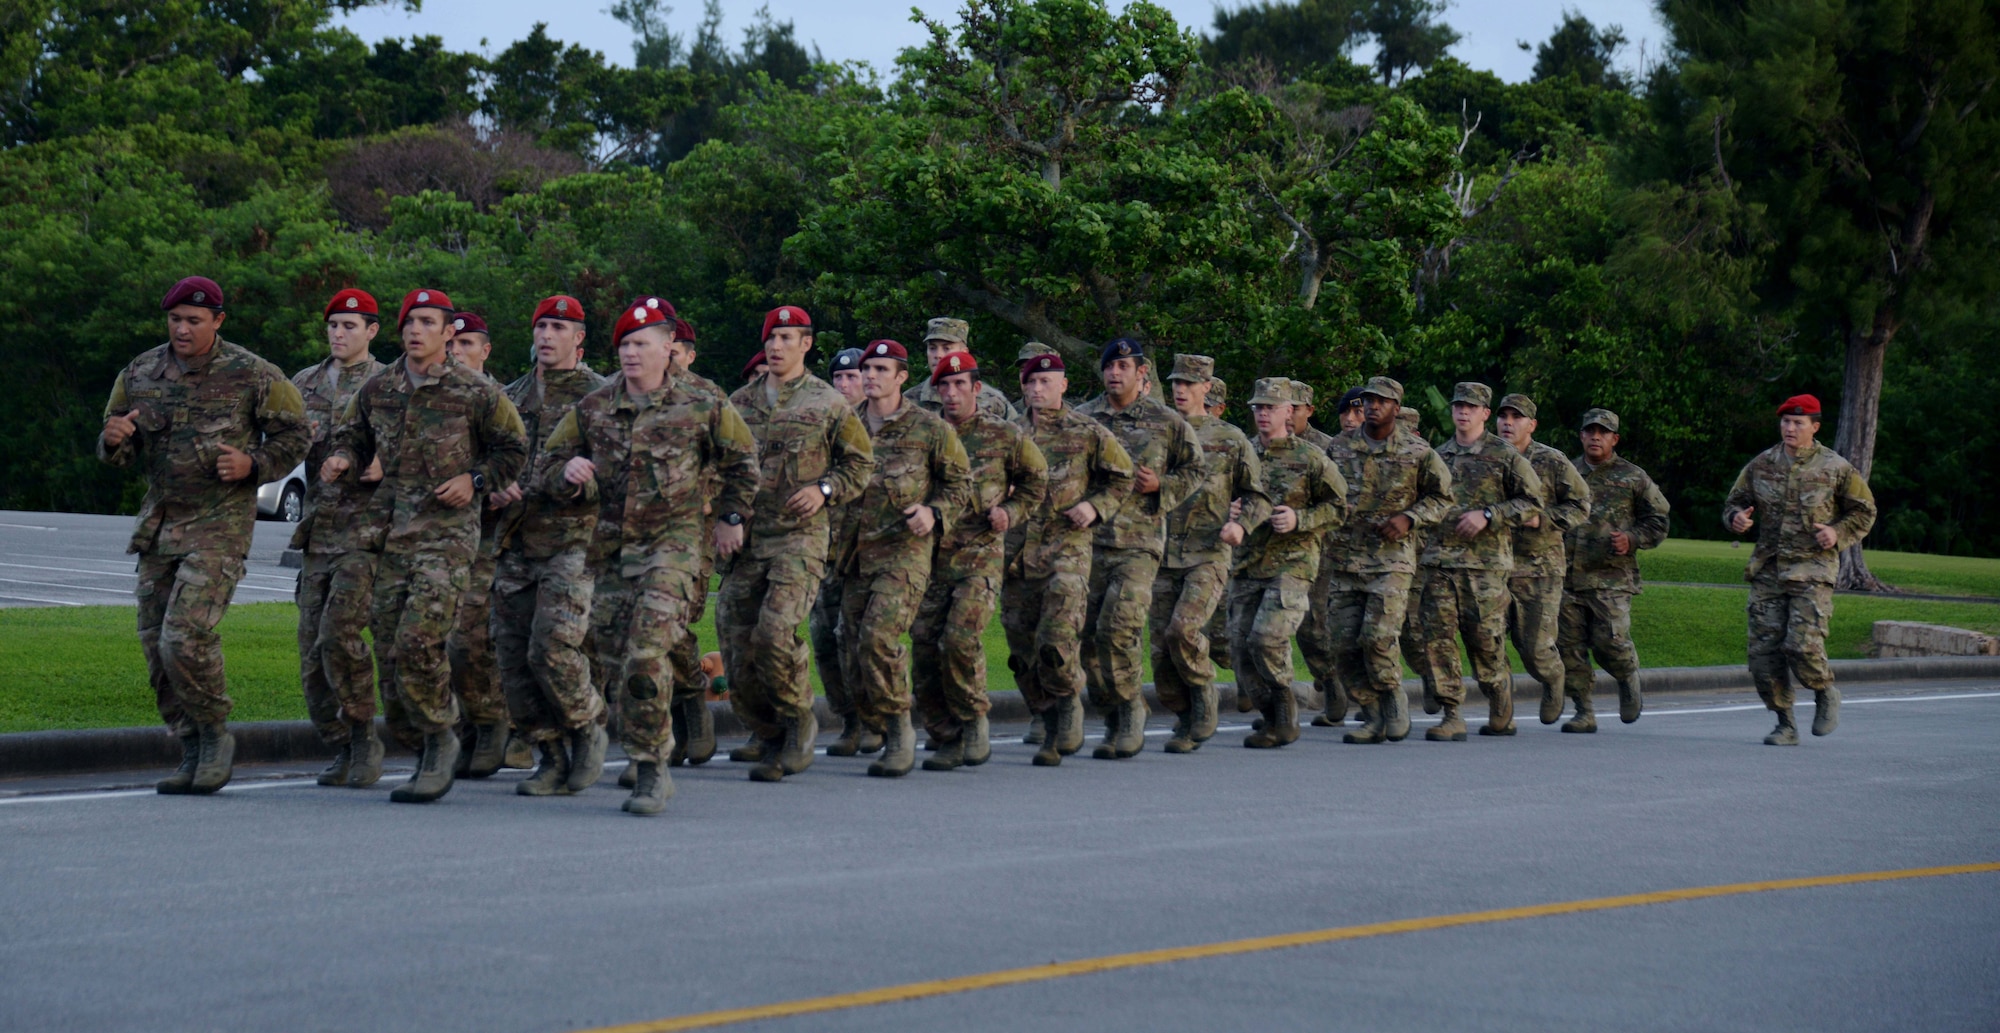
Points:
(1111, 475)
(281, 419)
(1183, 475)
(1649, 517)
(353, 439)
(1247, 485)
(503, 443)
(1329, 495)
(119, 404)
(1524, 493)
(1857, 509)
(736, 469)
(951, 480)
(1027, 480)
(565, 443)
(851, 458)
(1742, 495)
(1568, 498)
(1434, 497)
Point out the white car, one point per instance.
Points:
(284, 498)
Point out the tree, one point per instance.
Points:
(1578, 48)
(1292, 38)
(1406, 37)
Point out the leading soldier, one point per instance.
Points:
(1627, 513)
(1814, 503)
(211, 421)
(945, 336)
(1535, 589)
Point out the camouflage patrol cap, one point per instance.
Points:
(1195, 369)
(1302, 393)
(1600, 418)
(945, 328)
(1218, 391)
(1275, 391)
(1470, 393)
(1520, 403)
(1408, 417)
(1030, 350)
(1384, 387)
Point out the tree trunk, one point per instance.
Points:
(1860, 411)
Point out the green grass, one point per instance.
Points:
(1679, 559)
(80, 667)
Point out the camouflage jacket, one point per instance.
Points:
(1399, 476)
(1316, 437)
(1487, 474)
(1622, 498)
(1155, 437)
(696, 382)
(1231, 471)
(1298, 474)
(1538, 551)
(918, 459)
(334, 510)
(1086, 464)
(655, 457)
(1008, 471)
(1790, 496)
(542, 525)
(991, 401)
(183, 414)
(810, 434)
(426, 431)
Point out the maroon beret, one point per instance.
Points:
(1799, 405)
(470, 323)
(195, 290)
(786, 315)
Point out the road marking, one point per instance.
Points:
(31, 527)
(73, 588)
(1226, 948)
(38, 599)
(127, 570)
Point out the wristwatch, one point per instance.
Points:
(733, 519)
(1489, 514)
(478, 482)
(826, 490)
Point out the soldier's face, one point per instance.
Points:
(1516, 428)
(882, 378)
(191, 329)
(960, 395)
(643, 356)
(1351, 417)
(558, 343)
(1798, 431)
(1044, 390)
(848, 383)
(348, 336)
(1274, 422)
(1598, 444)
(935, 350)
(426, 334)
(681, 355)
(1380, 414)
(1122, 379)
(1301, 418)
(1190, 398)
(785, 352)
(1216, 408)
(1469, 419)
(472, 349)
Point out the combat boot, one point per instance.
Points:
(977, 740)
(433, 777)
(699, 746)
(1069, 726)
(586, 756)
(1432, 703)
(1631, 701)
(1036, 729)
(178, 783)
(1585, 720)
(1335, 714)
(1499, 710)
(1395, 708)
(1281, 722)
(770, 768)
(1205, 711)
(651, 789)
(1244, 704)
(677, 724)
(1372, 730)
(949, 756)
(1108, 749)
(1050, 755)
(364, 757)
(849, 742)
(1132, 714)
(751, 752)
(1182, 741)
(1826, 711)
(552, 777)
(489, 749)
(464, 763)
(796, 754)
(520, 752)
(1552, 704)
(899, 749)
(1451, 729)
(336, 772)
(1786, 734)
(629, 777)
(217, 761)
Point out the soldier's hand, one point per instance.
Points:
(579, 471)
(1825, 535)
(1621, 543)
(1232, 532)
(457, 492)
(1533, 523)
(508, 495)
(1235, 509)
(1471, 524)
(998, 520)
(1284, 520)
(233, 465)
(334, 468)
(119, 428)
(806, 501)
(373, 474)
(728, 539)
(919, 519)
(1397, 527)
(1083, 514)
(1147, 480)
(1741, 522)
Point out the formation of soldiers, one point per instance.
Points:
(529, 559)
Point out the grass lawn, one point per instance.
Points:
(1679, 559)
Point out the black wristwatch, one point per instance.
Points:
(826, 489)
(478, 481)
(733, 519)
(1489, 514)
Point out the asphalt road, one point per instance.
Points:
(79, 559)
(280, 905)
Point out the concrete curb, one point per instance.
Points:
(27, 754)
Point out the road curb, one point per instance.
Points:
(79, 751)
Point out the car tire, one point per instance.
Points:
(292, 504)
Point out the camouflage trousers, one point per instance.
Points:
(181, 600)
(876, 611)
(948, 640)
(1366, 615)
(416, 603)
(1264, 618)
(638, 622)
(1114, 621)
(1469, 604)
(540, 623)
(336, 666)
(475, 666)
(1316, 642)
(1185, 600)
(1788, 621)
(824, 627)
(1595, 620)
(1416, 638)
(1534, 609)
(762, 604)
(1217, 632)
(1043, 618)
(686, 656)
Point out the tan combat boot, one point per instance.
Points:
(797, 752)
(1452, 728)
(650, 790)
(699, 746)
(364, 758)
(1206, 711)
(1182, 741)
(586, 756)
(1069, 726)
(949, 756)
(178, 783)
(1050, 755)
(976, 737)
(899, 749)
(1631, 701)
(1552, 703)
(849, 741)
(1826, 711)
(489, 749)
(1132, 715)
(336, 772)
(1500, 710)
(1585, 720)
(552, 777)
(1395, 707)
(1374, 726)
(433, 777)
(217, 761)
(1786, 734)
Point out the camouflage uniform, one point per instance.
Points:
(1791, 577)
(1597, 610)
(426, 430)
(807, 435)
(542, 588)
(193, 531)
(1008, 471)
(336, 667)
(918, 460)
(690, 684)
(1535, 590)
(823, 624)
(991, 401)
(657, 456)
(1316, 638)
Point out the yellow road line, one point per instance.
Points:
(1139, 959)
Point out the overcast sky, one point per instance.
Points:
(875, 30)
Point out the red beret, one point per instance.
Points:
(559, 306)
(786, 315)
(636, 317)
(750, 368)
(885, 349)
(195, 290)
(470, 323)
(423, 297)
(353, 302)
(683, 330)
(654, 301)
(954, 364)
(1041, 364)
(1799, 405)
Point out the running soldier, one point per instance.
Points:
(1627, 513)
(1535, 590)
(824, 624)
(945, 336)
